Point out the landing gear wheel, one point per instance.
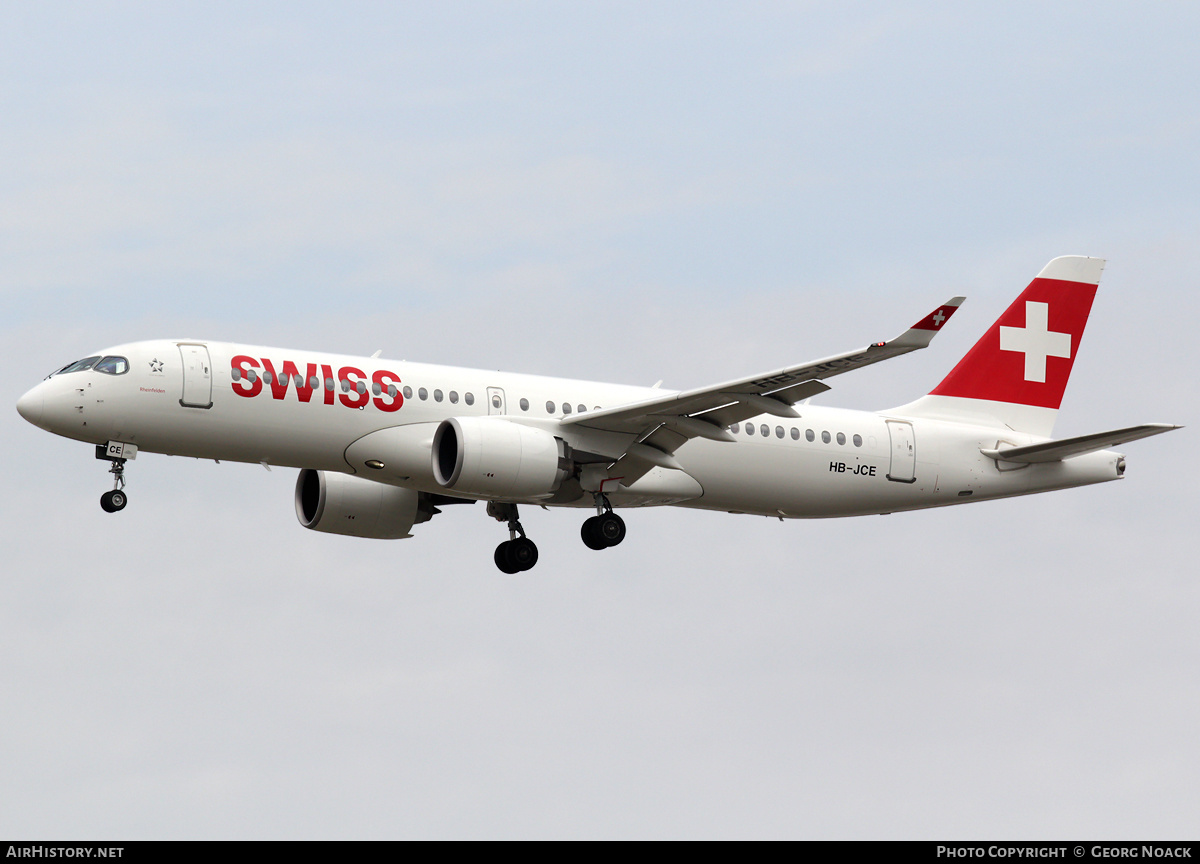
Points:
(610, 528)
(518, 552)
(603, 531)
(591, 536)
(521, 553)
(501, 558)
(517, 555)
(113, 501)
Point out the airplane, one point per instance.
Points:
(382, 445)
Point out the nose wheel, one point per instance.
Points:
(115, 499)
(518, 553)
(605, 529)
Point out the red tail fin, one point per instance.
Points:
(1025, 358)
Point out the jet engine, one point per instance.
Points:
(343, 504)
(496, 458)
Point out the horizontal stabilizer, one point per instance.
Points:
(1056, 451)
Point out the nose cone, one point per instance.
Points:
(30, 405)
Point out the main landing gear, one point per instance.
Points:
(517, 553)
(115, 499)
(604, 529)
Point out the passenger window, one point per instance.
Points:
(453, 397)
(549, 407)
(809, 435)
(113, 366)
(437, 395)
(581, 408)
(423, 394)
(392, 390)
(377, 389)
(407, 392)
(825, 437)
(765, 430)
(795, 434)
(778, 431)
(524, 404)
(566, 407)
(328, 383)
(857, 440)
(469, 398)
(736, 427)
(842, 438)
(749, 428)
(314, 382)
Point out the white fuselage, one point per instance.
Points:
(196, 398)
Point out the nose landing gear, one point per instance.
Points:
(517, 553)
(605, 529)
(115, 499)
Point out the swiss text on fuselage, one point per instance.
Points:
(248, 382)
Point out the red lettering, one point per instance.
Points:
(290, 374)
(384, 378)
(327, 375)
(305, 388)
(279, 383)
(354, 399)
(358, 396)
(242, 384)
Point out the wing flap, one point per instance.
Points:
(1065, 448)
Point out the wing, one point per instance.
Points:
(663, 424)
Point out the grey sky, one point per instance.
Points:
(686, 192)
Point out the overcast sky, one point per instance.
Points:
(613, 191)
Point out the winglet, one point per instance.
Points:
(922, 333)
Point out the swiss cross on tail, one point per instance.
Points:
(1036, 341)
(1027, 355)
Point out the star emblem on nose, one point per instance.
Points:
(156, 365)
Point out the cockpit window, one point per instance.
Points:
(113, 366)
(78, 365)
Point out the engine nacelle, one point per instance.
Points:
(497, 458)
(343, 504)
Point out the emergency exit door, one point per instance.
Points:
(904, 452)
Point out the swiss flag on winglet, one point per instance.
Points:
(935, 319)
(1027, 355)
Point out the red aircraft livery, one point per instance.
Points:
(247, 381)
(737, 446)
